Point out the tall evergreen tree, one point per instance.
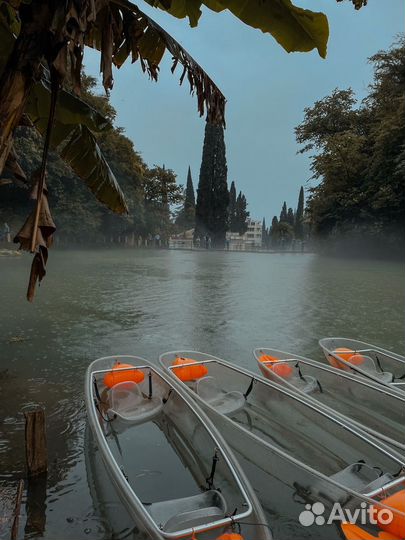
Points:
(186, 217)
(290, 217)
(232, 208)
(299, 216)
(284, 213)
(273, 232)
(241, 214)
(212, 194)
(264, 233)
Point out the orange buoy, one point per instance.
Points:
(354, 532)
(268, 358)
(396, 522)
(230, 536)
(283, 370)
(350, 356)
(357, 359)
(189, 373)
(117, 375)
(344, 353)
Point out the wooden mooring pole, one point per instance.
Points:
(35, 442)
(37, 467)
(17, 510)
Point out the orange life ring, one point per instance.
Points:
(230, 536)
(189, 373)
(116, 375)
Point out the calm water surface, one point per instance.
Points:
(99, 303)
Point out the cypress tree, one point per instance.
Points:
(290, 217)
(264, 233)
(274, 232)
(284, 213)
(232, 208)
(241, 214)
(299, 216)
(186, 217)
(212, 194)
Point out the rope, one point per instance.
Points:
(250, 388)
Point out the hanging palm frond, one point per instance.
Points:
(294, 28)
(121, 31)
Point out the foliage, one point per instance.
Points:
(241, 214)
(359, 155)
(80, 219)
(212, 194)
(160, 192)
(186, 216)
(299, 216)
(233, 227)
(284, 213)
(294, 28)
(237, 211)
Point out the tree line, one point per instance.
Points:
(358, 161)
(288, 227)
(150, 192)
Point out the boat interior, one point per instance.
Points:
(370, 406)
(166, 453)
(286, 422)
(384, 366)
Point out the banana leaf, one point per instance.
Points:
(84, 156)
(71, 117)
(294, 28)
(121, 31)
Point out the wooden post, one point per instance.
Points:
(35, 442)
(17, 509)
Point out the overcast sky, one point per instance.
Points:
(266, 88)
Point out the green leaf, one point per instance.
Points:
(74, 123)
(294, 28)
(84, 156)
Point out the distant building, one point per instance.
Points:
(183, 240)
(251, 239)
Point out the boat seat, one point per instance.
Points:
(178, 514)
(359, 477)
(369, 366)
(223, 402)
(129, 404)
(306, 384)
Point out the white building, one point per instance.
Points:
(251, 239)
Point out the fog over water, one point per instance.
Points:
(98, 303)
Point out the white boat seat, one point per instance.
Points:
(224, 402)
(130, 406)
(307, 384)
(359, 477)
(369, 367)
(178, 514)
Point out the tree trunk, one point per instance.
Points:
(21, 71)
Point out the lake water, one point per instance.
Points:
(98, 303)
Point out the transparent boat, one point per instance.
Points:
(162, 467)
(368, 405)
(287, 440)
(384, 367)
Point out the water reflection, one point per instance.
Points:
(107, 302)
